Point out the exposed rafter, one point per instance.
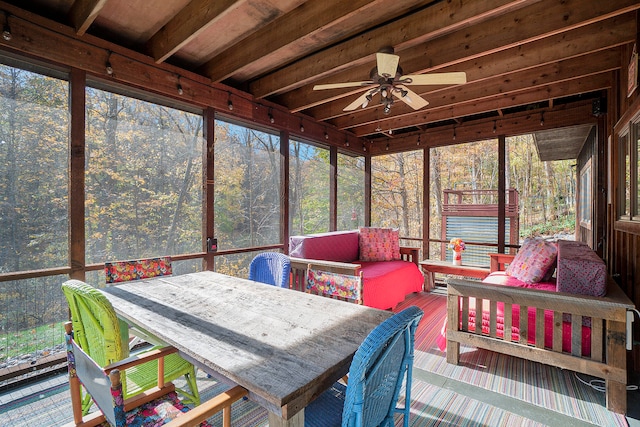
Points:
(517, 54)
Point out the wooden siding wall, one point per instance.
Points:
(623, 237)
(586, 234)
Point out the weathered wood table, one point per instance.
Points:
(432, 266)
(286, 347)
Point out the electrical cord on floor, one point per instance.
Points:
(599, 385)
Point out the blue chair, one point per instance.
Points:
(272, 268)
(379, 367)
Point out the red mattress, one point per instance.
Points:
(531, 324)
(387, 283)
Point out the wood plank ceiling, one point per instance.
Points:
(520, 56)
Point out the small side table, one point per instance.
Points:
(432, 266)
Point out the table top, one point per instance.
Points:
(439, 266)
(286, 347)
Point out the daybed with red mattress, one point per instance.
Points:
(389, 271)
(576, 322)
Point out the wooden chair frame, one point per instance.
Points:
(222, 402)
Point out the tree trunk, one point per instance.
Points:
(551, 192)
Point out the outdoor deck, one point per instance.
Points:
(487, 389)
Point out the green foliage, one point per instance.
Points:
(565, 224)
(29, 341)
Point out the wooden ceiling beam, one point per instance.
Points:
(608, 34)
(520, 123)
(43, 39)
(187, 24)
(429, 23)
(312, 25)
(83, 13)
(519, 98)
(549, 74)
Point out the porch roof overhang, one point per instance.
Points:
(561, 143)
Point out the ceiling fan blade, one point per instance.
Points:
(387, 64)
(435, 78)
(357, 103)
(341, 85)
(411, 98)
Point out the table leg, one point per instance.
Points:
(296, 421)
(430, 281)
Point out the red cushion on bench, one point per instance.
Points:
(386, 283)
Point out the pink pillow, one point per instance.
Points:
(533, 261)
(379, 244)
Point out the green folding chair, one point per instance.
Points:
(104, 337)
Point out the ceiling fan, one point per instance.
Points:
(387, 79)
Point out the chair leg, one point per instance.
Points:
(76, 400)
(191, 380)
(194, 395)
(87, 403)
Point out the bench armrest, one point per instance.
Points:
(498, 261)
(409, 254)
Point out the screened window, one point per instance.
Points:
(247, 190)
(34, 142)
(309, 173)
(34, 129)
(350, 192)
(464, 178)
(143, 179)
(629, 149)
(585, 196)
(625, 176)
(396, 192)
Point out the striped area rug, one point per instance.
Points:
(478, 392)
(536, 384)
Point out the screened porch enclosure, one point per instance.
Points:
(129, 131)
(143, 195)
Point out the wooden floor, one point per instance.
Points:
(45, 403)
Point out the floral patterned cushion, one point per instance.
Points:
(153, 414)
(533, 261)
(334, 285)
(124, 271)
(379, 244)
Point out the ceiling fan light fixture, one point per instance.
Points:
(6, 30)
(179, 87)
(388, 78)
(107, 65)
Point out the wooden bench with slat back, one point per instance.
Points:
(607, 315)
